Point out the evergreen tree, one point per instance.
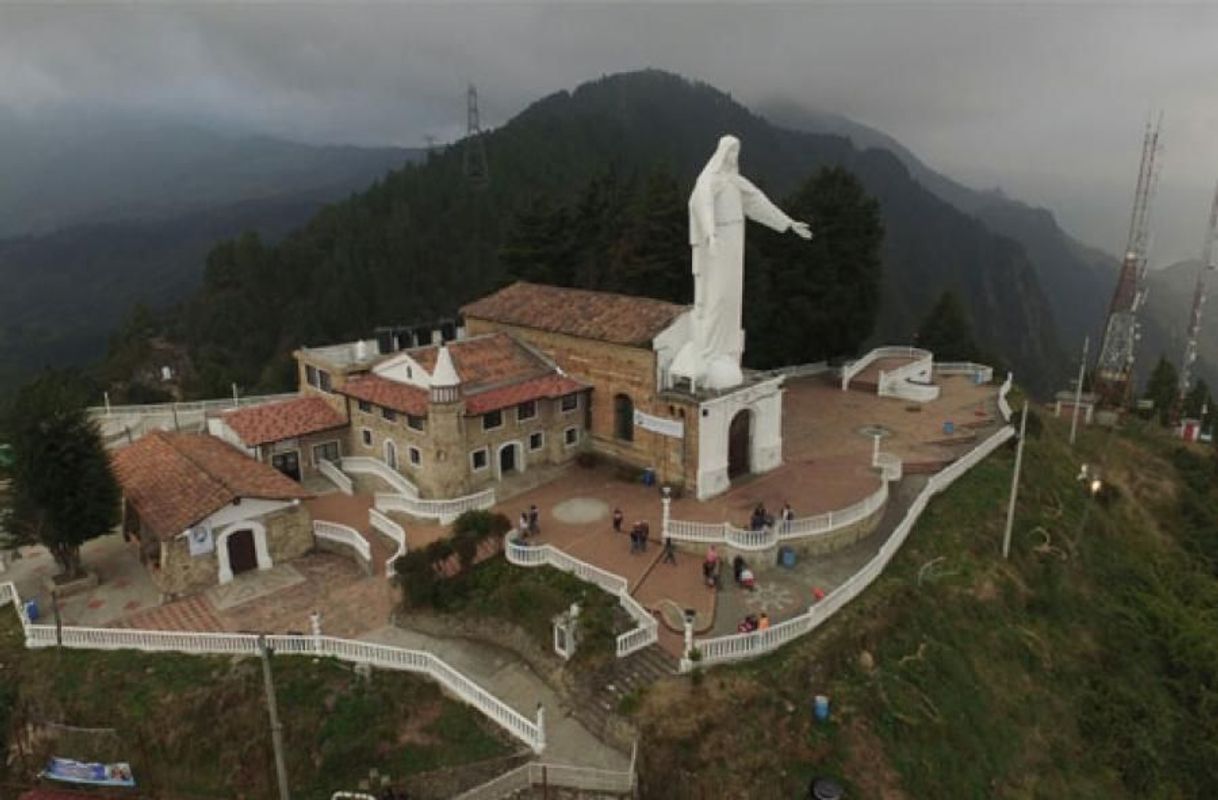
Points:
(947, 332)
(1198, 400)
(653, 256)
(1163, 388)
(538, 246)
(63, 492)
(808, 301)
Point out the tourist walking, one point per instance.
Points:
(534, 520)
(617, 520)
(788, 516)
(644, 533)
(524, 524)
(636, 537)
(670, 551)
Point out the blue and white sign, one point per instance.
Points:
(94, 774)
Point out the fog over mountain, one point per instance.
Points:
(1045, 101)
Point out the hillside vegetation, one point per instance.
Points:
(1086, 666)
(196, 726)
(424, 241)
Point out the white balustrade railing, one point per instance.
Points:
(558, 776)
(364, 465)
(531, 732)
(344, 535)
(772, 535)
(443, 510)
(746, 645)
(852, 369)
(526, 555)
(336, 476)
(188, 407)
(1004, 407)
(394, 531)
(981, 373)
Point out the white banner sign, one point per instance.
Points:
(660, 425)
(200, 539)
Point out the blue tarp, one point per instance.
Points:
(93, 774)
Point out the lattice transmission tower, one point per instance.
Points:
(1114, 366)
(477, 171)
(1194, 317)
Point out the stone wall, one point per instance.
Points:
(614, 369)
(304, 446)
(289, 535)
(449, 438)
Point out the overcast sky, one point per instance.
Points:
(1046, 101)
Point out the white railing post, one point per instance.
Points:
(541, 729)
(315, 625)
(666, 516)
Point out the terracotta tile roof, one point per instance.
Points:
(485, 362)
(275, 422)
(616, 318)
(496, 371)
(389, 394)
(547, 386)
(174, 480)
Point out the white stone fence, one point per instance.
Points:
(394, 531)
(123, 424)
(849, 371)
(1004, 407)
(557, 776)
(981, 373)
(343, 535)
(363, 465)
(531, 732)
(802, 528)
(526, 555)
(443, 510)
(910, 381)
(336, 476)
(734, 647)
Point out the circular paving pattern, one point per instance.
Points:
(770, 598)
(581, 510)
(875, 430)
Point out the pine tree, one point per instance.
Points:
(62, 492)
(1162, 388)
(947, 332)
(653, 256)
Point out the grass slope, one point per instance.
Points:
(1086, 666)
(197, 726)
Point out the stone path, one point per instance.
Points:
(503, 674)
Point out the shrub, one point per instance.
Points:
(481, 524)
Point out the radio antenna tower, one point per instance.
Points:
(476, 170)
(1194, 319)
(1114, 367)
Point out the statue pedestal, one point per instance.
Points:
(739, 431)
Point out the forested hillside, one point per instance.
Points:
(423, 241)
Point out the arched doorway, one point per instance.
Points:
(242, 555)
(739, 444)
(623, 418)
(509, 458)
(391, 454)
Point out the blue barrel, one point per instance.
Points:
(786, 557)
(949, 428)
(649, 477)
(820, 707)
(31, 610)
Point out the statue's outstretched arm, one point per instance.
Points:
(759, 208)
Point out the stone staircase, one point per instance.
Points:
(599, 693)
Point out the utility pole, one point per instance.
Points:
(1078, 390)
(281, 769)
(1006, 536)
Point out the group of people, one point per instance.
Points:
(754, 622)
(762, 519)
(640, 535)
(530, 522)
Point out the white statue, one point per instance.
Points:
(721, 200)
